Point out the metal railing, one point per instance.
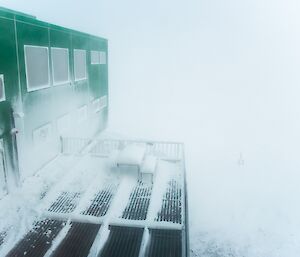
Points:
(104, 147)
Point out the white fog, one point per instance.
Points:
(222, 77)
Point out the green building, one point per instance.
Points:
(114, 198)
(53, 82)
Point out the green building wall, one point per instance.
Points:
(46, 107)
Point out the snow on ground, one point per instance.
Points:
(21, 208)
(78, 178)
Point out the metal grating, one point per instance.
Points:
(171, 207)
(123, 242)
(38, 240)
(165, 243)
(78, 241)
(65, 203)
(101, 202)
(3, 234)
(139, 200)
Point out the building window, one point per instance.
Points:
(102, 57)
(42, 135)
(37, 67)
(96, 105)
(82, 114)
(95, 57)
(98, 57)
(99, 103)
(63, 123)
(2, 88)
(60, 65)
(103, 102)
(79, 64)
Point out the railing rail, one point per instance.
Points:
(104, 147)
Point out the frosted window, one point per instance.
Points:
(96, 105)
(63, 123)
(2, 89)
(80, 64)
(103, 102)
(82, 114)
(98, 57)
(95, 57)
(102, 57)
(60, 65)
(37, 67)
(42, 135)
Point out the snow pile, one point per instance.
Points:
(132, 155)
(149, 164)
(165, 172)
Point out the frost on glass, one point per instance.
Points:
(42, 135)
(37, 67)
(98, 57)
(95, 58)
(63, 123)
(96, 105)
(103, 102)
(2, 90)
(82, 114)
(80, 64)
(60, 65)
(102, 57)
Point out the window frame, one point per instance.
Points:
(96, 105)
(102, 57)
(82, 114)
(98, 57)
(26, 70)
(36, 136)
(103, 102)
(69, 75)
(3, 98)
(61, 120)
(85, 63)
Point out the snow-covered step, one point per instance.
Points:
(138, 204)
(78, 241)
(38, 240)
(171, 209)
(101, 202)
(65, 203)
(164, 243)
(123, 242)
(3, 234)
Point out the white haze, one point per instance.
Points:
(223, 77)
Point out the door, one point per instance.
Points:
(3, 182)
(9, 170)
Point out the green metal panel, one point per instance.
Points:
(8, 59)
(46, 106)
(81, 87)
(8, 68)
(61, 93)
(39, 102)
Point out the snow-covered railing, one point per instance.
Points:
(104, 147)
(74, 145)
